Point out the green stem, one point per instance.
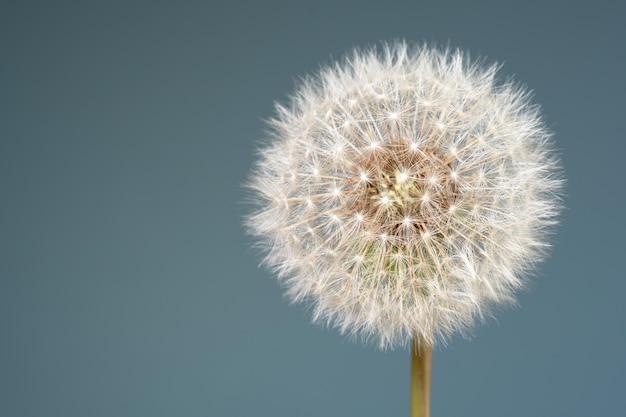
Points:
(421, 363)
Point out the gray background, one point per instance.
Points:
(127, 285)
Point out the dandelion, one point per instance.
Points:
(403, 193)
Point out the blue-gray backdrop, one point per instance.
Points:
(127, 284)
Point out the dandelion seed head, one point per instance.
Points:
(404, 194)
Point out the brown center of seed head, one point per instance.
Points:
(407, 190)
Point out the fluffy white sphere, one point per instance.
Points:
(403, 193)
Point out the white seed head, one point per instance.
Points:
(403, 193)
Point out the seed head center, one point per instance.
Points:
(408, 190)
(398, 189)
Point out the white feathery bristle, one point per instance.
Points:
(403, 193)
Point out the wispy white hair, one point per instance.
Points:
(403, 193)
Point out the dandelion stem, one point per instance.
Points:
(421, 363)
